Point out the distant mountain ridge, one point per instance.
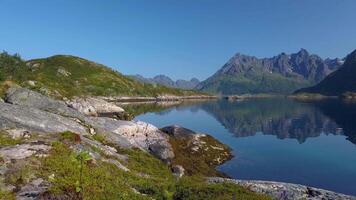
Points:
(168, 82)
(284, 73)
(341, 81)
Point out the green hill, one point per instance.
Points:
(67, 76)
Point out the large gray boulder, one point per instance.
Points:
(17, 116)
(138, 134)
(26, 97)
(178, 131)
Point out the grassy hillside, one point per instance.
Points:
(67, 76)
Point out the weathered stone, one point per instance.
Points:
(285, 191)
(22, 151)
(138, 134)
(31, 83)
(107, 150)
(63, 72)
(178, 131)
(32, 190)
(36, 112)
(82, 106)
(178, 171)
(26, 97)
(18, 133)
(16, 116)
(93, 106)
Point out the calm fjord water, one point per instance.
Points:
(276, 139)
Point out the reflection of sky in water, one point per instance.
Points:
(278, 140)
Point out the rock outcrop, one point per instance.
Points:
(285, 191)
(22, 151)
(196, 151)
(93, 106)
(18, 116)
(32, 99)
(26, 109)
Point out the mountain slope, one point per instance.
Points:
(67, 76)
(168, 82)
(341, 81)
(280, 74)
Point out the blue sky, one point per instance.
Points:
(180, 38)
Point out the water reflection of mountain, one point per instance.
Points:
(343, 113)
(281, 117)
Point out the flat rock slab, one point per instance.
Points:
(285, 191)
(22, 151)
(17, 116)
(29, 98)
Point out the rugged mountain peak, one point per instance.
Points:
(351, 59)
(264, 75)
(303, 52)
(341, 81)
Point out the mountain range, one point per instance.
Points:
(168, 82)
(281, 74)
(339, 82)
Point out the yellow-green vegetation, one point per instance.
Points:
(89, 180)
(148, 178)
(195, 188)
(6, 140)
(67, 76)
(75, 174)
(199, 157)
(6, 195)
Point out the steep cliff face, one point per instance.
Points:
(341, 81)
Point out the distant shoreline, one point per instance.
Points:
(158, 99)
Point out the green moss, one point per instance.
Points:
(6, 140)
(100, 138)
(148, 178)
(106, 180)
(70, 137)
(204, 159)
(6, 195)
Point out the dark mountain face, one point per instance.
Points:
(279, 74)
(168, 82)
(341, 81)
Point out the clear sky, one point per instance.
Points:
(179, 38)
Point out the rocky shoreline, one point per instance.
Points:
(34, 122)
(282, 191)
(158, 98)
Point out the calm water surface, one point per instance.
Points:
(275, 139)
